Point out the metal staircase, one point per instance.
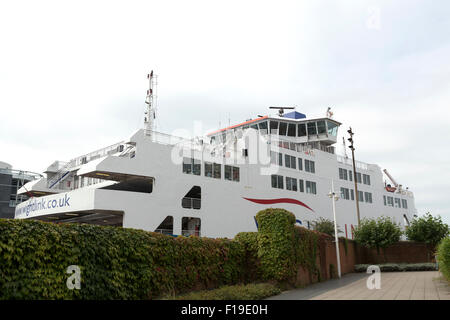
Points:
(61, 174)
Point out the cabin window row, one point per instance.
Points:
(345, 174)
(395, 202)
(349, 194)
(293, 184)
(291, 162)
(212, 170)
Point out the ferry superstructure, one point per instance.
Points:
(214, 185)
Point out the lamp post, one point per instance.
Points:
(334, 197)
(350, 132)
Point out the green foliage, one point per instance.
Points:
(249, 240)
(115, 263)
(276, 244)
(443, 257)
(377, 233)
(237, 292)
(427, 229)
(397, 267)
(306, 245)
(324, 225)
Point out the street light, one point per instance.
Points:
(350, 132)
(334, 197)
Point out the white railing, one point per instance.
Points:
(349, 161)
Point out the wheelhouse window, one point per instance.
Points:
(301, 132)
(283, 129)
(263, 127)
(291, 130)
(277, 181)
(321, 127)
(274, 127)
(312, 128)
(332, 128)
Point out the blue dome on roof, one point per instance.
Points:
(294, 115)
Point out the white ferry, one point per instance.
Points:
(214, 185)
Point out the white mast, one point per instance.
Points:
(150, 100)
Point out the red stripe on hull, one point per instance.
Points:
(280, 200)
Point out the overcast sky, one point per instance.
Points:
(73, 75)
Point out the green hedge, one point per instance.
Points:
(115, 263)
(275, 239)
(253, 291)
(397, 267)
(443, 257)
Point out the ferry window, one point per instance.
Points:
(311, 187)
(350, 175)
(217, 170)
(321, 127)
(332, 128)
(291, 130)
(368, 197)
(345, 194)
(309, 166)
(358, 177)
(360, 196)
(166, 226)
(283, 129)
(342, 174)
(192, 199)
(301, 185)
(208, 169)
(291, 184)
(274, 127)
(254, 126)
(197, 164)
(228, 172)
(236, 174)
(384, 199)
(404, 204)
(187, 165)
(263, 127)
(277, 181)
(397, 203)
(300, 164)
(301, 130)
(280, 159)
(390, 201)
(290, 161)
(190, 226)
(352, 194)
(366, 179)
(312, 128)
(276, 158)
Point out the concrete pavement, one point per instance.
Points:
(418, 285)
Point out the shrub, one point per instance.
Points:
(427, 229)
(275, 244)
(115, 263)
(249, 240)
(377, 233)
(236, 292)
(306, 246)
(396, 267)
(326, 226)
(443, 257)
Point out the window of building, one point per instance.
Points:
(368, 197)
(397, 203)
(301, 185)
(277, 181)
(404, 204)
(312, 128)
(301, 132)
(342, 174)
(366, 179)
(311, 187)
(310, 166)
(291, 184)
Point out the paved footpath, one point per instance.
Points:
(420, 285)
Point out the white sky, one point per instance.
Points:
(73, 75)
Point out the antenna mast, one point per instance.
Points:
(150, 100)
